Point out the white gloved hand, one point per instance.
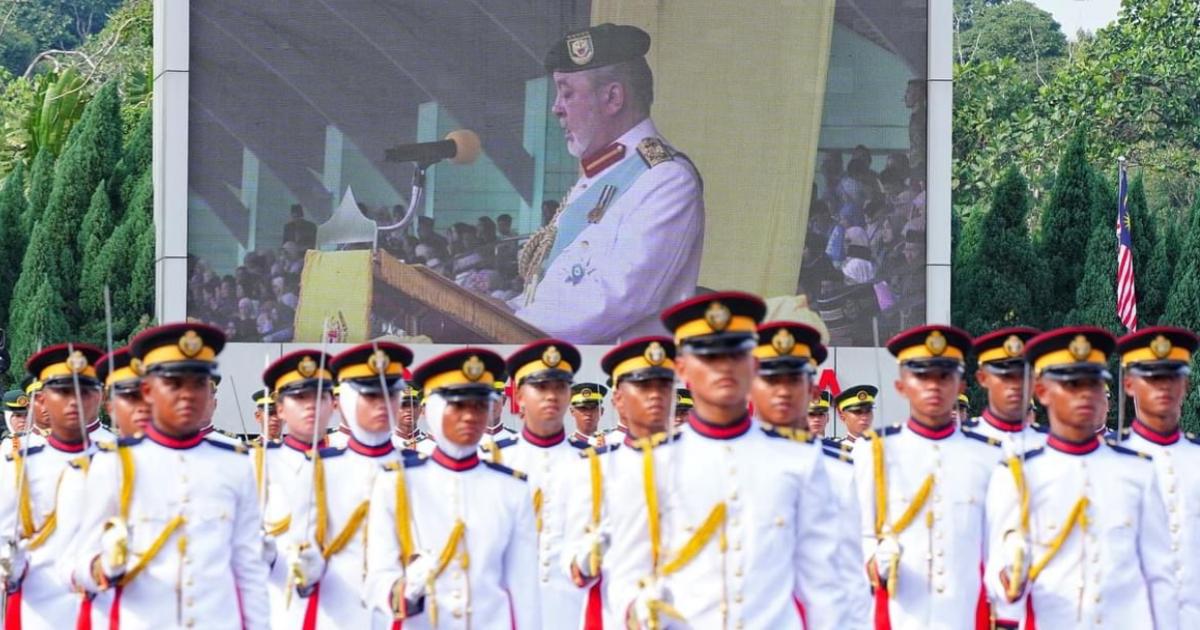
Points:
(417, 575)
(887, 553)
(306, 565)
(270, 549)
(652, 609)
(1015, 550)
(14, 561)
(114, 548)
(582, 556)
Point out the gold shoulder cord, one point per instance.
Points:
(881, 505)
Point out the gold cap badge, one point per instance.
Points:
(1080, 348)
(717, 316)
(783, 342)
(552, 357)
(190, 344)
(580, 48)
(473, 368)
(1161, 347)
(936, 343)
(77, 362)
(1013, 346)
(379, 361)
(307, 367)
(655, 354)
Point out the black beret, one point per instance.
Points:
(601, 45)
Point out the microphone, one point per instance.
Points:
(460, 147)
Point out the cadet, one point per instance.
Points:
(609, 542)
(768, 496)
(856, 406)
(171, 520)
(921, 486)
(587, 406)
(818, 414)
(16, 421)
(542, 372)
(408, 435)
(787, 353)
(683, 406)
(1156, 363)
(270, 427)
(31, 504)
(1002, 373)
(1066, 547)
(129, 413)
(333, 555)
(453, 537)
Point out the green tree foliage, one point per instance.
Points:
(1066, 227)
(39, 267)
(1096, 296)
(135, 161)
(1144, 232)
(1013, 30)
(41, 180)
(1154, 281)
(1183, 305)
(1000, 273)
(126, 265)
(12, 239)
(37, 25)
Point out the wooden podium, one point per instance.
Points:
(362, 290)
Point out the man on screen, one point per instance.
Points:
(628, 239)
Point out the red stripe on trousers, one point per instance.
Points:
(114, 613)
(883, 617)
(12, 614)
(593, 618)
(84, 620)
(310, 613)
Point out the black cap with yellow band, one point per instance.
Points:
(410, 395)
(819, 405)
(587, 394)
(683, 399)
(122, 378)
(788, 348)
(1002, 351)
(1158, 351)
(931, 348)
(362, 367)
(299, 371)
(262, 398)
(58, 365)
(544, 360)
(859, 397)
(182, 348)
(1071, 353)
(463, 374)
(16, 401)
(724, 322)
(641, 359)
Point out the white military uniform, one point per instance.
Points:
(349, 476)
(339, 437)
(938, 583)
(1117, 571)
(544, 461)
(840, 468)
(210, 572)
(1015, 437)
(212, 433)
(1177, 461)
(491, 581)
(640, 255)
(46, 594)
(287, 477)
(422, 443)
(778, 511)
(97, 433)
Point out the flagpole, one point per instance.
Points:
(1123, 232)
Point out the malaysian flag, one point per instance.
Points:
(1126, 295)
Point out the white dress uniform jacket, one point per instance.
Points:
(778, 511)
(544, 461)
(639, 256)
(495, 584)
(1015, 438)
(840, 468)
(938, 581)
(350, 473)
(210, 572)
(1117, 570)
(46, 595)
(287, 474)
(1177, 462)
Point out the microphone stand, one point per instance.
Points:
(415, 199)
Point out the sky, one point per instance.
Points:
(1073, 15)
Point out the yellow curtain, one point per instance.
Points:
(739, 87)
(337, 285)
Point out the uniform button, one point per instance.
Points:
(545, 579)
(1095, 558)
(940, 589)
(940, 553)
(738, 572)
(458, 613)
(737, 599)
(190, 602)
(733, 496)
(779, 522)
(456, 594)
(737, 545)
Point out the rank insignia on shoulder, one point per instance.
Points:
(654, 151)
(106, 445)
(1192, 437)
(505, 469)
(990, 441)
(1116, 446)
(236, 448)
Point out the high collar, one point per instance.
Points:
(599, 161)
(543, 442)
(1150, 435)
(451, 463)
(208, 429)
(93, 425)
(162, 439)
(1001, 424)
(368, 450)
(578, 441)
(1070, 447)
(297, 444)
(343, 428)
(66, 447)
(576, 436)
(499, 428)
(736, 429)
(931, 434)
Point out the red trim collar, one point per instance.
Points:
(93, 425)
(543, 442)
(296, 444)
(931, 434)
(1000, 423)
(370, 451)
(66, 447)
(1072, 448)
(719, 432)
(343, 428)
(623, 429)
(494, 430)
(1154, 436)
(162, 439)
(602, 159)
(206, 430)
(457, 465)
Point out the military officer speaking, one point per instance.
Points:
(628, 240)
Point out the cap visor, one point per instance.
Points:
(546, 376)
(458, 393)
(774, 367)
(929, 366)
(1004, 368)
(648, 374)
(306, 385)
(373, 386)
(1159, 368)
(719, 343)
(173, 368)
(67, 381)
(1077, 372)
